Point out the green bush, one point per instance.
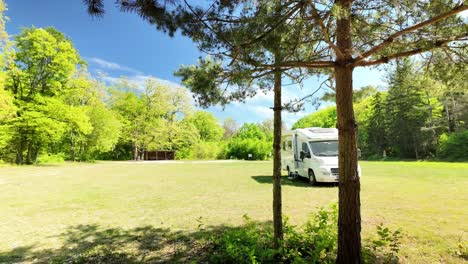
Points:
(314, 242)
(453, 146)
(251, 243)
(183, 153)
(51, 158)
(249, 139)
(206, 150)
(240, 148)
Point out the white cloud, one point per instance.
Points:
(255, 109)
(138, 79)
(108, 65)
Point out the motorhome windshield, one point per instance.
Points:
(327, 148)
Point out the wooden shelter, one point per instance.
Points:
(159, 155)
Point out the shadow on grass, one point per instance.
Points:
(297, 182)
(94, 244)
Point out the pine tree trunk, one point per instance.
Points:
(277, 206)
(349, 216)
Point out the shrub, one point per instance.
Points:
(251, 243)
(314, 242)
(240, 148)
(51, 158)
(384, 248)
(206, 150)
(453, 146)
(183, 153)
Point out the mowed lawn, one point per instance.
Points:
(39, 205)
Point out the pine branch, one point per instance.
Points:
(459, 8)
(386, 59)
(326, 36)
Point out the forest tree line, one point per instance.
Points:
(423, 114)
(53, 109)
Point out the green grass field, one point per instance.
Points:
(46, 210)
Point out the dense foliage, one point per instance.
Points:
(52, 110)
(313, 242)
(250, 142)
(417, 117)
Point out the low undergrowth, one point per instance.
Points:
(314, 242)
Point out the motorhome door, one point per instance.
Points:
(296, 153)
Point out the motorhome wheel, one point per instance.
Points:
(312, 180)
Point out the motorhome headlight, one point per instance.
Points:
(325, 171)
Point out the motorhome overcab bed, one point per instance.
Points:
(311, 153)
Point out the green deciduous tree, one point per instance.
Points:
(152, 120)
(207, 125)
(7, 108)
(41, 65)
(323, 118)
(249, 139)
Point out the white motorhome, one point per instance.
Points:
(311, 153)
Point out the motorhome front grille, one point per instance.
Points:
(334, 171)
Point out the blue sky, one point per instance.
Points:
(123, 44)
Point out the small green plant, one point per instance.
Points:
(384, 248)
(462, 249)
(251, 243)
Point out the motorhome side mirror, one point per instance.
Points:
(304, 155)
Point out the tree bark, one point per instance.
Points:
(349, 215)
(135, 151)
(454, 115)
(29, 153)
(19, 151)
(277, 205)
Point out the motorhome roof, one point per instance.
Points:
(318, 133)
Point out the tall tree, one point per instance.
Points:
(405, 112)
(230, 127)
(377, 125)
(7, 109)
(342, 35)
(40, 68)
